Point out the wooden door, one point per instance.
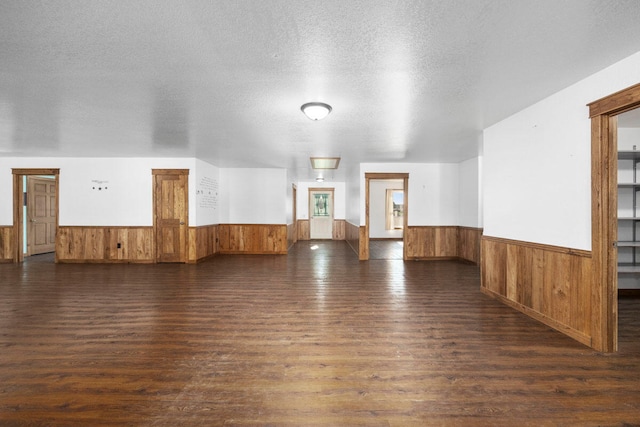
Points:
(321, 213)
(171, 217)
(41, 215)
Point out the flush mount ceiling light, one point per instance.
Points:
(316, 110)
(325, 162)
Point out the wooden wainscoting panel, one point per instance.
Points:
(292, 229)
(203, 242)
(136, 244)
(428, 242)
(304, 232)
(6, 243)
(363, 243)
(105, 244)
(469, 244)
(548, 283)
(253, 238)
(339, 229)
(352, 236)
(493, 268)
(80, 244)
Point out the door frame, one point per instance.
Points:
(604, 212)
(18, 208)
(368, 176)
(333, 201)
(294, 195)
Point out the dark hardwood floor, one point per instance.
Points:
(385, 249)
(315, 338)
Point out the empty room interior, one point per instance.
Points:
(299, 213)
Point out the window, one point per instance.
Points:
(321, 205)
(395, 209)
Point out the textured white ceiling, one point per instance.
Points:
(409, 81)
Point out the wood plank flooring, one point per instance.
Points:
(385, 249)
(315, 338)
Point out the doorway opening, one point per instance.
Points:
(386, 201)
(394, 210)
(628, 239)
(35, 213)
(604, 214)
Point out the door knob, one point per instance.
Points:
(181, 222)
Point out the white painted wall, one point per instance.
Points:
(126, 198)
(469, 193)
(207, 194)
(291, 181)
(378, 208)
(536, 164)
(352, 196)
(338, 195)
(433, 191)
(253, 196)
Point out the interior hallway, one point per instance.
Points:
(312, 338)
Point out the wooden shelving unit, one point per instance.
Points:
(628, 233)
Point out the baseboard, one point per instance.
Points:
(252, 252)
(104, 261)
(203, 259)
(444, 258)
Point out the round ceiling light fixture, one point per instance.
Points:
(316, 110)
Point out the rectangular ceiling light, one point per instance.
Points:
(325, 162)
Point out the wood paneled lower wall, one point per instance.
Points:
(6, 243)
(253, 238)
(100, 244)
(352, 236)
(469, 244)
(303, 229)
(292, 234)
(432, 242)
(548, 283)
(203, 242)
(93, 244)
(443, 242)
(426, 242)
(339, 229)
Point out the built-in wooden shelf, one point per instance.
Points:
(628, 244)
(629, 155)
(628, 268)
